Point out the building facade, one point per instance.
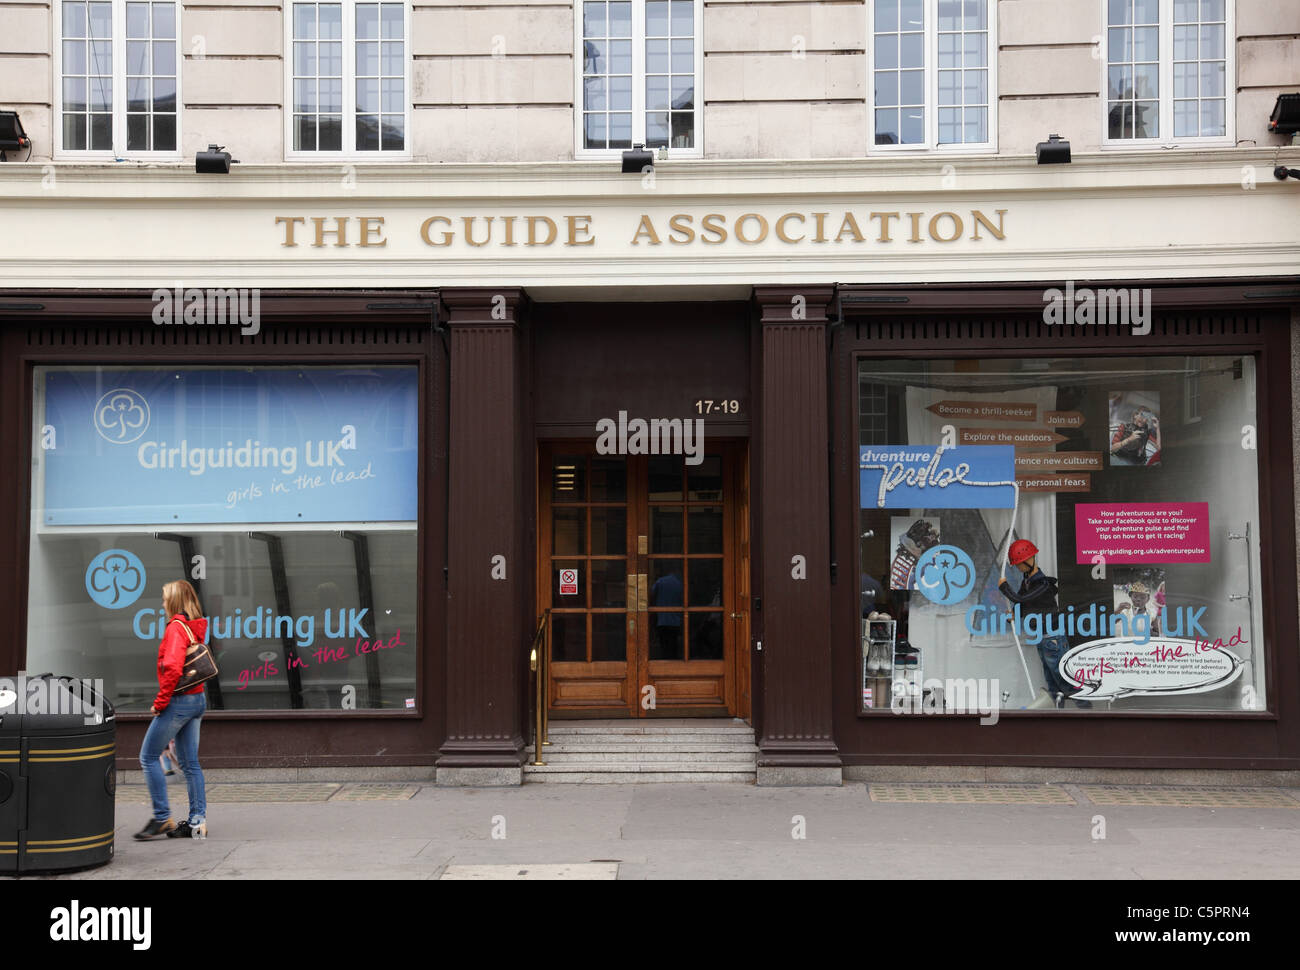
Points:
(749, 431)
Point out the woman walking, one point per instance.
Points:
(176, 716)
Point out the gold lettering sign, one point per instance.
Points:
(789, 228)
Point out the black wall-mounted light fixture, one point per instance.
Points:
(215, 161)
(637, 159)
(1054, 151)
(1282, 173)
(12, 135)
(1285, 119)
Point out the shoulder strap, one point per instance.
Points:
(188, 632)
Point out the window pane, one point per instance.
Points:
(331, 95)
(304, 59)
(137, 133)
(1121, 44)
(976, 50)
(887, 130)
(392, 96)
(101, 132)
(977, 120)
(950, 14)
(608, 639)
(706, 636)
(593, 19)
(74, 57)
(74, 132)
(304, 21)
(620, 129)
(137, 20)
(1120, 82)
(304, 94)
(331, 133)
(164, 94)
(620, 96)
(74, 94)
(137, 94)
(164, 21)
(656, 18)
(949, 88)
(1146, 44)
(620, 57)
(1185, 43)
(912, 50)
(683, 55)
(683, 94)
(976, 87)
(1213, 121)
(705, 530)
(330, 20)
(593, 93)
(331, 58)
(100, 90)
(74, 19)
(683, 125)
(101, 57)
(164, 132)
(101, 20)
(656, 95)
(887, 50)
(368, 95)
(683, 18)
(656, 129)
(913, 126)
(594, 130)
(977, 14)
(367, 21)
(1211, 79)
(304, 133)
(1212, 41)
(393, 64)
(911, 87)
(608, 531)
(1146, 123)
(911, 14)
(1186, 122)
(1146, 11)
(950, 126)
(391, 21)
(392, 132)
(620, 20)
(367, 133)
(886, 15)
(1212, 9)
(367, 59)
(1185, 12)
(1147, 80)
(164, 57)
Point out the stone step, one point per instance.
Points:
(749, 758)
(606, 743)
(703, 730)
(639, 773)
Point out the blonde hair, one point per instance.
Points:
(179, 597)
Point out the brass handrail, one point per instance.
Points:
(540, 663)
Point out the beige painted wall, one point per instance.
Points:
(493, 81)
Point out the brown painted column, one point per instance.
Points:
(486, 631)
(797, 746)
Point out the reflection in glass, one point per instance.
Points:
(569, 637)
(608, 637)
(706, 636)
(665, 529)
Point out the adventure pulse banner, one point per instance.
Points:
(926, 476)
(218, 445)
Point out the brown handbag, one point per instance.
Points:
(199, 665)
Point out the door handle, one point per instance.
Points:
(737, 616)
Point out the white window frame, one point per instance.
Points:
(119, 150)
(638, 86)
(349, 151)
(1166, 99)
(931, 145)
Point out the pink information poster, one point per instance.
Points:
(1142, 532)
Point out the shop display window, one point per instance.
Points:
(286, 495)
(1117, 497)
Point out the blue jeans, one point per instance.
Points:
(180, 720)
(1050, 651)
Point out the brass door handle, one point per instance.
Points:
(737, 616)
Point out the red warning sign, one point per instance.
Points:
(568, 582)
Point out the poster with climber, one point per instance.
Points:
(909, 537)
(1141, 597)
(1135, 439)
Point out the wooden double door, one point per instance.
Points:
(644, 567)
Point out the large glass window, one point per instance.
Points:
(1168, 70)
(348, 76)
(286, 496)
(640, 69)
(1123, 517)
(932, 74)
(118, 77)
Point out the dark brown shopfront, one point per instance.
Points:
(759, 546)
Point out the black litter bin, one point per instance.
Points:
(57, 743)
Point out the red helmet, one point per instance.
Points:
(1021, 550)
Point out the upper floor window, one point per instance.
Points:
(118, 78)
(348, 78)
(1168, 66)
(640, 65)
(933, 76)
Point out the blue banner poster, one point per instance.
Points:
(193, 446)
(925, 476)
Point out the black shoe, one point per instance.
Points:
(906, 648)
(182, 831)
(156, 830)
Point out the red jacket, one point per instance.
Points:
(171, 658)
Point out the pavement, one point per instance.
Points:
(720, 831)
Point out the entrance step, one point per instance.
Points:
(639, 752)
